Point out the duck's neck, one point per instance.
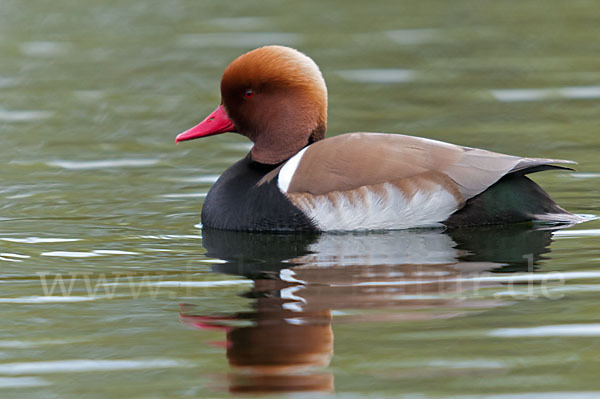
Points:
(273, 148)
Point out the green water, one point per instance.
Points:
(95, 194)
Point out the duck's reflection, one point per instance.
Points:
(286, 341)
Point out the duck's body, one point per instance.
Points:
(398, 186)
(295, 180)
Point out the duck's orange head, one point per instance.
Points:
(275, 96)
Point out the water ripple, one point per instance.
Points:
(38, 240)
(103, 163)
(378, 75)
(184, 195)
(573, 92)
(582, 175)
(179, 284)
(8, 81)
(31, 344)
(196, 179)
(172, 236)
(534, 395)
(87, 365)
(70, 254)
(577, 233)
(10, 257)
(96, 252)
(495, 278)
(412, 36)
(241, 22)
(49, 299)
(22, 382)
(239, 39)
(44, 48)
(23, 116)
(114, 252)
(559, 330)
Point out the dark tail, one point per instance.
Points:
(513, 199)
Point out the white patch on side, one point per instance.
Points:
(287, 171)
(386, 209)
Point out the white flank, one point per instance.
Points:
(366, 209)
(287, 171)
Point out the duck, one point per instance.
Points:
(294, 179)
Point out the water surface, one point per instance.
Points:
(110, 288)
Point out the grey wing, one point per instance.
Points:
(478, 169)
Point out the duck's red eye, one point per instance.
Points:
(249, 93)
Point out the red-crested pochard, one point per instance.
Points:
(295, 179)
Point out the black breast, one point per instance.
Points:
(236, 202)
